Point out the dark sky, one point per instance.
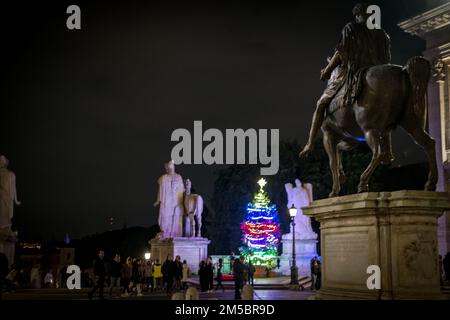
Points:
(86, 116)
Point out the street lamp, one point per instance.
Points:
(294, 270)
(147, 256)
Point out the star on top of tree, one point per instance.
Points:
(262, 182)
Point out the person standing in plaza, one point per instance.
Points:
(251, 273)
(219, 275)
(116, 272)
(148, 275)
(99, 273)
(135, 283)
(210, 274)
(168, 270)
(178, 266)
(126, 276)
(186, 275)
(232, 258)
(202, 276)
(317, 272)
(157, 275)
(238, 273)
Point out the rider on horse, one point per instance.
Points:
(358, 49)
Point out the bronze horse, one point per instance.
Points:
(391, 96)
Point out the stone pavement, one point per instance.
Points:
(228, 294)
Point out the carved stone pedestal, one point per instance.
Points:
(305, 250)
(8, 241)
(396, 231)
(193, 250)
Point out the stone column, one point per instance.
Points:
(393, 230)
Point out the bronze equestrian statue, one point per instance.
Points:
(366, 98)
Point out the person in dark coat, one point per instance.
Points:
(116, 272)
(100, 274)
(251, 273)
(317, 273)
(238, 273)
(168, 270)
(219, 275)
(203, 276)
(178, 273)
(210, 274)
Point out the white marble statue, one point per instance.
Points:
(301, 196)
(170, 201)
(193, 206)
(8, 194)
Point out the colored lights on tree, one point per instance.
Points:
(261, 230)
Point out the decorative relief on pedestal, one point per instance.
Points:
(439, 70)
(420, 257)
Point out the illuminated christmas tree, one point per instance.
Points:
(261, 230)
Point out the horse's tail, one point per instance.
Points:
(419, 70)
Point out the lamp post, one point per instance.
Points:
(294, 270)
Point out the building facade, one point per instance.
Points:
(433, 26)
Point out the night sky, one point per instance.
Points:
(86, 116)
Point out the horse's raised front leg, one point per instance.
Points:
(373, 140)
(423, 139)
(331, 148)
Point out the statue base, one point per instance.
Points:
(193, 250)
(8, 241)
(396, 231)
(305, 250)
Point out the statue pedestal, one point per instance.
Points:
(305, 250)
(396, 231)
(8, 241)
(193, 250)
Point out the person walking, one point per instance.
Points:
(219, 275)
(238, 273)
(318, 274)
(148, 275)
(232, 258)
(210, 274)
(178, 273)
(251, 273)
(126, 276)
(202, 276)
(186, 275)
(99, 273)
(116, 272)
(168, 271)
(135, 283)
(313, 275)
(157, 275)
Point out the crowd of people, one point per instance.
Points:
(137, 275)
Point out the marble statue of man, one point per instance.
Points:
(301, 196)
(170, 201)
(8, 194)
